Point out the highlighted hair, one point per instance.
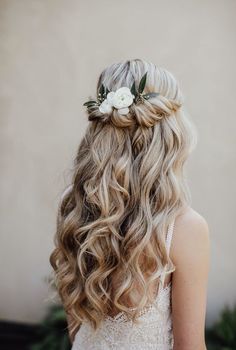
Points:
(128, 185)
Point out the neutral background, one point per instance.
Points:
(51, 53)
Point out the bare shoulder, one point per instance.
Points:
(191, 234)
(190, 255)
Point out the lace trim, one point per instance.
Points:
(119, 332)
(122, 315)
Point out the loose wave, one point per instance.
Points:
(128, 184)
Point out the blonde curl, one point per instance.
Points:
(127, 185)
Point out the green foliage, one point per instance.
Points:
(142, 83)
(138, 94)
(102, 93)
(53, 333)
(133, 90)
(90, 103)
(222, 335)
(151, 95)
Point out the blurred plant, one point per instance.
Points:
(222, 335)
(53, 333)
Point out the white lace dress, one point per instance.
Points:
(119, 333)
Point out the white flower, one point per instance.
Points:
(110, 96)
(105, 107)
(122, 98)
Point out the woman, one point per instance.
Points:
(131, 257)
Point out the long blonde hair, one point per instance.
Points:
(128, 185)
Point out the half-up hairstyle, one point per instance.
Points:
(128, 185)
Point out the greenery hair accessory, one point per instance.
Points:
(120, 99)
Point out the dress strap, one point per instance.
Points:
(169, 235)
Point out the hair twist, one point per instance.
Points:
(145, 113)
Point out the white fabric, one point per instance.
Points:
(119, 333)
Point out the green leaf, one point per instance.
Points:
(102, 93)
(133, 89)
(151, 95)
(142, 83)
(102, 90)
(89, 103)
(107, 91)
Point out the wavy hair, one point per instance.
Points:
(128, 184)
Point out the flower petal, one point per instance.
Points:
(105, 107)
(123, 111)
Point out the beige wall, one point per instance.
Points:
(51, 54)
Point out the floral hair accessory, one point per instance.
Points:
(120, 99)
